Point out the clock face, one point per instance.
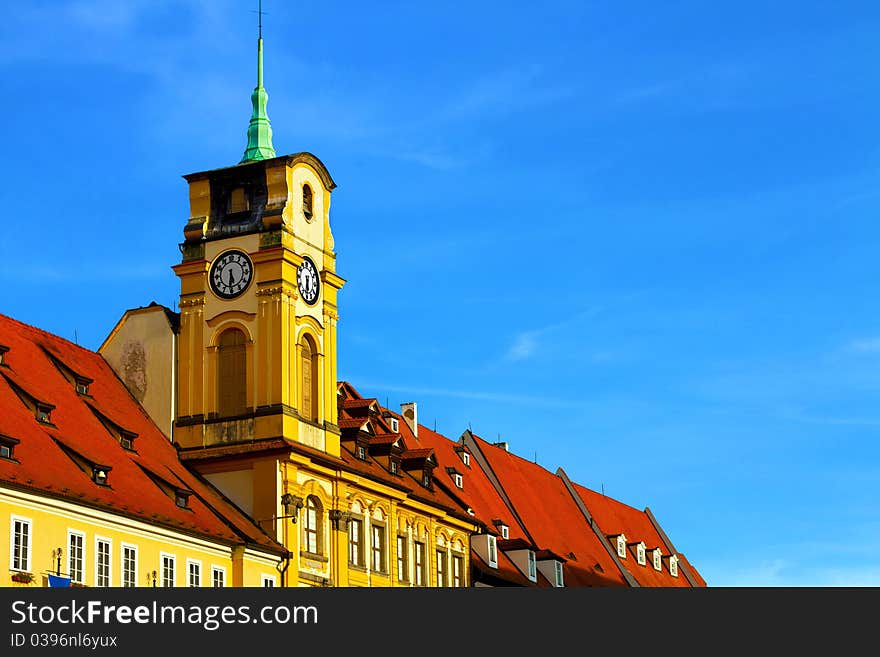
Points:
(307, 280)
(231, 274)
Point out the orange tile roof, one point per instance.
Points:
(614, 518)
(44, 467)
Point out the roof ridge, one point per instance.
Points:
(38, 330)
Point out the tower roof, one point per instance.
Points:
(259, 146)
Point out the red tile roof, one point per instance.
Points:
(614, 518)
(44, 467)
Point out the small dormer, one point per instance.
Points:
(486, 546)
(456, 477)
(464, 454)
(3, 351)
(619, 541)
(181, 498)
(640, 549)
(673, 565)
(81, 385)
(420, 463)
(503, 529)
(657, 558)
(394, 423)
(7, 447)
(101, 474)
(522, 554)
(43, 412)
(550, 566)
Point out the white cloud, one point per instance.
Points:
(866, 345)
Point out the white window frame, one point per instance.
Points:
(173, 558)
(402, 558)
(214, 571)
(505, 532)
(532, 565)
(493, 552)
(395, 425)
(466, 458)
(458, 480)
(456, 569)
(673, 565)
(122, 549)
(268, 581)
(640, 554)
(442, 565)
(378, 548)
(420, 549)
(99, 540)
(28, 547)
(560, 578)
(189, 573)
(82, 557)
(621, 546)
(356, 552)
(658, 559)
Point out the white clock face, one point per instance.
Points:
(231, 274)
(307, 281)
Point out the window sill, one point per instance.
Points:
(312, 555)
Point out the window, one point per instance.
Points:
(457, 570)
(44, 414)
(168, 562)
(533, 574)
(312, 526)
(231, 373)
(181, 499)
(218, 577)
(5, 451)
(395, 468)
(3, 350)
(441, 567)
(395, 425)
(7, 446)
(402, 574)
(268, 581)
(493, 552)
(657, 562)
(426, 480)
(377, 545)
(126, 442)
(307, 202)
(458, 480)
(420, 564)
(193, 573)
(356, 542)
(129, 566)
(362, 453)
(621, 546)
(558, 568)
(20, 544)
(640, 554)
(505, 532)
(76, 557)
(102, 562)
(309, 379)
(238, 201)
(82, 387)
(466, 458)
(99, 474)
(673, 566)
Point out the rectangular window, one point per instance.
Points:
(20, 545)
(378, 547)
(311, 527)
(402, 574)
(466, 459)
(268, 581)
(457, 570)
(76, 557)
(129, 566)
(102, 562)
(362, 453)
(533, 575)
(559, 581)
(493, 554)
(168, 562)
(458, 480)
(355, 542)
(194, 574)
(673, 566)
(419, 566)
(218, 577)
(441, 567)
(5, 451)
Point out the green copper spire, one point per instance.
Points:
(259, 145)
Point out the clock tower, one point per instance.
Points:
(258, 300)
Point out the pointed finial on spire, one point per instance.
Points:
(259, 145)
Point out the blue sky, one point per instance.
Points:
(637, 240)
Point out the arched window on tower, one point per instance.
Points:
(308, 366)
(231, 373)
(307, 202)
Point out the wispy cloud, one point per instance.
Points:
(418, 391)
(527, 343)
(866, 345)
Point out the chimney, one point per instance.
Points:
(410, 413)
(503, 445)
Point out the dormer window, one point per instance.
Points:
(362, 453)
(466, 458)
(640, 554)
(100, 474)
(395, 468)
(181, 498)
(307, 202)
(126, 440)
(533, 566)
(82, 387)
(673, 566)
(426, 480)
(395, 425)
(658, 563)
(3, 351)
(493, 552)
(458, 480)
(43, 413)
(558, 572)
(621, 546)
(7, 447)
(505, 532)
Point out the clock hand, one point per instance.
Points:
(231, 280)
